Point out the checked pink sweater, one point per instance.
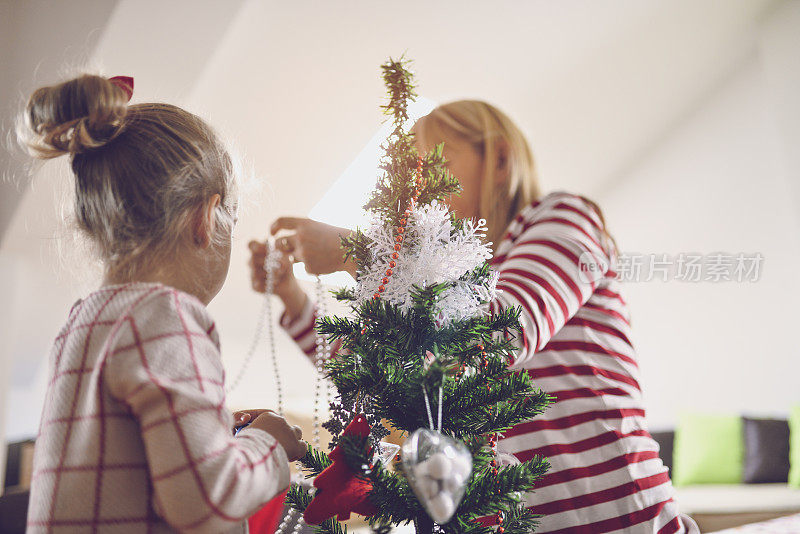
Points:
(135, 435)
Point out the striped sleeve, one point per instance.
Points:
(552, 268)
(170, 376)
(302, 330)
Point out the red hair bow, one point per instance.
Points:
(125, 83)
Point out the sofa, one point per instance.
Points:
(718, 506)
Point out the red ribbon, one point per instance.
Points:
(125, 83)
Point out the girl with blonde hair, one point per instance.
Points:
(135, 435)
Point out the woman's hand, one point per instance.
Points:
(283, 280)
(316, 244)
(284, 284)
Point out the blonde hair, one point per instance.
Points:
(486, 127)
(140, 170)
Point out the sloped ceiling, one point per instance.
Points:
(296, 88)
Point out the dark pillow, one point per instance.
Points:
(766, 450)
(666, 441)
(14, 512)
(13, 454)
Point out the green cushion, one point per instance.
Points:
(709, 449)
(794, 447)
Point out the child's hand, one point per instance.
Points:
(245, 416)
(289, 437)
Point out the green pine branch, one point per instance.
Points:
(400, 83)
(299, 498)
(489, 494)
(314, 461)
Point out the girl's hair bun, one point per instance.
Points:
(73, 117)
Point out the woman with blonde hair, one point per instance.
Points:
(555, 259)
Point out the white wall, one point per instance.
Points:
(27, 60)
(593, 83)
(717, 183)
(778, 45)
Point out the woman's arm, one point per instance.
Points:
(550, 272)
(552, 268)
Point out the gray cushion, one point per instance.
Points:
(665, 440)
(766, 450)
(14, 512)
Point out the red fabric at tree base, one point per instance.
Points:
(265, 521)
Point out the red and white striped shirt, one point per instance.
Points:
(135, 435)
(605, 476)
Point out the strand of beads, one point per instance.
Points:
(484, 362)
(500, 528)
(299, 525)
(253, 346)
(493, 445)
(400, 231)
(323, 352)
(274, 355)
(484, 358)
(271, 263)
(289, 520)
(293, 520)
(323, 348)
(492, 439)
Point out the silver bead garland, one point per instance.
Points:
(322, 353)
(288, 519)
(293, 520)
(299, 525)
(271, 262)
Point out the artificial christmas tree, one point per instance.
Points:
(421, 354)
